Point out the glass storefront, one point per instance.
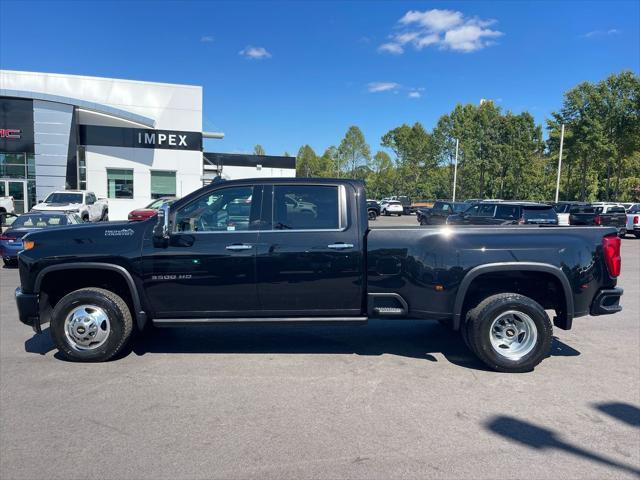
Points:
(18, 179)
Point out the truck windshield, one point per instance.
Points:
(64, 197)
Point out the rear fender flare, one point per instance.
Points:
(564, 323)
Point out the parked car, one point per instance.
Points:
(88, 207)
(582, 215)
(609, 215)
(421, 204)
(563, 208)
(505, 213)
(441, 210)
(183, 268)
(6, 206)
(633, 220)
(11, 239)
(373, 209)
(629, 206)
(391, 207)
(406, 204)
(150, 210)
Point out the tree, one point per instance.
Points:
(306, 161)
(259, 150)
(354, 150)
(414, 157)
(602, 122)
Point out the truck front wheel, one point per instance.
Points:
(509, 332)
(91, 325)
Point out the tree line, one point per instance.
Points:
(502, 154)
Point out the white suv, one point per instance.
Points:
(391, 207)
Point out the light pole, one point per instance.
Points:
(559, 163)
(455, 172)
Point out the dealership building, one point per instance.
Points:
(127, 141)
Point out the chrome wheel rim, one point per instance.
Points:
(513, 334)
(87, 327)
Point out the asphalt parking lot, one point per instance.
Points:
(387, 400)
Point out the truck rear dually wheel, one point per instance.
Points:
(509, 332)
(91, 325)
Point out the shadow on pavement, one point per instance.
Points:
(540, 438)
(623, 412)
(561, 349)
(408, 338)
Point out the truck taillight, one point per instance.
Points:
(611, 250)
(597, 220)
(521, 221)
(636, 218)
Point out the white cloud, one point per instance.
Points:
(391, 47)
(255, 53)
(601, 33)
(375, 87)
(206, 39)
(395, 88)
(446, 29)
(434, 20)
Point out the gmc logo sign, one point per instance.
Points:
(10, 133)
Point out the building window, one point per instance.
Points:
(119, 183)
(13, 165)
(82, 168)
(163, 184)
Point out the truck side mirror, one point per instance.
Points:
(161, 228)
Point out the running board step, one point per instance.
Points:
(389, 311)
(177, 322)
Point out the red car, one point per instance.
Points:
(150, 210)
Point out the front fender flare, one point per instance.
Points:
(138, 313)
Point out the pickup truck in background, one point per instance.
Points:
(85, 204)
(235, 253)
(633, 220)
(6, 206)
(373, 209)
(438, 214)
(615, 216)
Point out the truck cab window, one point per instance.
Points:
(305, 207)
(227, 209)
(486, 210)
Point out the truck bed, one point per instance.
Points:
(426, 266)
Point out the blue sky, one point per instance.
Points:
(284, 74)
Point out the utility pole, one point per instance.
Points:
(559, 163)
(455, 172)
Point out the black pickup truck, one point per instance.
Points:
(301, 251)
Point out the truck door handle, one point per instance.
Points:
(239, 246)
(340, 246)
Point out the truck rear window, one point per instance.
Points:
(539, 213)
(305, 207)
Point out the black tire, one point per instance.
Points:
(372, 215)
(636, 234)
(105, 216)
(424, 221)
(479, 321)
(120, 323)
(85, 218)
